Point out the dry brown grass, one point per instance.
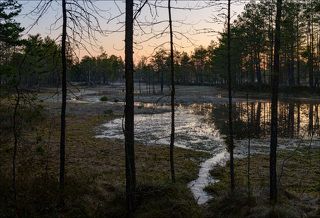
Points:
(94, 171)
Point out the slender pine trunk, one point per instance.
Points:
(129, 112)
(162, 82)
(249, 149)
(15, 148)
(230, 141)
(298, 119)
(271, 42)
(173, 177)
(310, 55)
(274, 108)
(63, 103)
(298, 50)
(291, 65)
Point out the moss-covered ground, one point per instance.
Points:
(95, 173)
(298, 187)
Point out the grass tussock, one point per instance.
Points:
(241, 205)
(157, 200)
(298, 187)
(169, 200)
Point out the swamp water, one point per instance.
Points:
(204, 126)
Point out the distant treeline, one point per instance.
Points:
(36, 60)
(252, 48)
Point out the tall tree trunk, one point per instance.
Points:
(64, 102)
(258, 68)
(149, 83)
(258, 120)
(310, 124)
(173, 177)
(291, 120)
(274, 108)
(15, 147)
(298, 50)
(298, 119)
(318, 57)
(161, 85)
(249, 149)
(271, 38)
(230, 141)
(310, 56)
(291, 65)
(153, 85)
(129, 112)
(252, 68)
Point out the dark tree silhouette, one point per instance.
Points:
(80, 19)
(249, 148)
(172, 96)
(10, 32)
(274, 108)
(310, 46)
(64, 101)
(230, 139)
(129, 111)
(15, 147)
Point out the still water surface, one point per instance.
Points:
(205, 126)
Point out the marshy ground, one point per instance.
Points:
(95, 179)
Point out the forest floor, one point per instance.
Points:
(95, 179)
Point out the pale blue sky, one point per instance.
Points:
(190, 22)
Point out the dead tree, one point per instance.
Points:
(155, 34)
(80, 18)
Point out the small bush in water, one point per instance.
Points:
(104, 98)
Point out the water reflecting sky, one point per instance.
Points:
(203, 126)
(296, 119)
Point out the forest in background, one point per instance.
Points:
(251, 61)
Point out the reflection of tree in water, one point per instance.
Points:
(295, 119)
